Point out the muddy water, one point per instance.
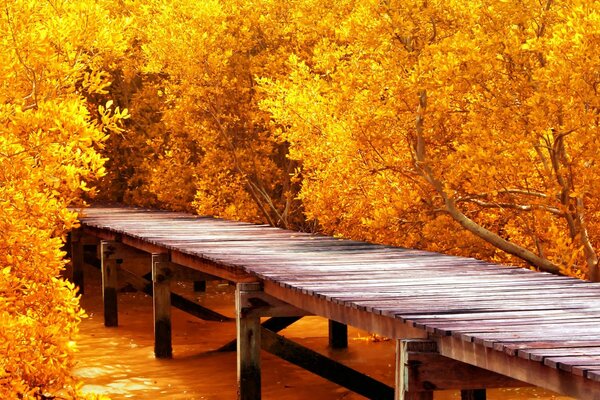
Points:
(119, 361)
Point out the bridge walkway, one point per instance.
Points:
(530, 327)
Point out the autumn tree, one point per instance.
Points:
(198, 139)
(465, 127)
(417, 122)
(53, 56)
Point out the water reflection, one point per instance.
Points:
(119, 362)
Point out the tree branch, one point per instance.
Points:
(519, 207)
(450, 205)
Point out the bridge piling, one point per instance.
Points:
(109, 263)
(76, 239)
(161, 299)
(338, 335)
(248, 344)
(405, 371)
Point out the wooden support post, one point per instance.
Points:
(473, 394)
(248, 344)
(77, 260)
(404, 369)
(338, 335)
(161, 290)
(109, 263)
(199, 286)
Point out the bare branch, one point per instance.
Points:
(450, 204)
(519, 207)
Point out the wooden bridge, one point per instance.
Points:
(459, 323)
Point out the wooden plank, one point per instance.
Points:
(109, 283)
(248, 345)
(541, 354)
(512, 347)
(524, 370)
(388, 327)
(161, 289)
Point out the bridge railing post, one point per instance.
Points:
(161, 299)
(248, 343)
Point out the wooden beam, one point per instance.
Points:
(227, 272)
(529, 371)
(177, 301)
(338, 335)
(432, 371)
(109, 263)
(274, 324)
(325, 367)
(145, 286)
(248, 343)
(161, 289)
(259, 303)
(196, 262)
(404, 389)
(77, 260)
(362, 319)
(100, 233)
(183, 273)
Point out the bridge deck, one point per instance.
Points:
(531, 326)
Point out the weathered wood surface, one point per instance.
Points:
(531, 326)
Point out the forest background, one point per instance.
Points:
(466, 127)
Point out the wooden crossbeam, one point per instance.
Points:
(274, 324)
(421, 370)
(258, 303)
(144, 285)
(536, 373)
(251, 304)
(432, 371)
(324, 367)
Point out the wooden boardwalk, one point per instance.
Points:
(536, 328)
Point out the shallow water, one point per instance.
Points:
(120, 361)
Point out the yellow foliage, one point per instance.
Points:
(414, 120)
(466, 127)
(48, 139)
